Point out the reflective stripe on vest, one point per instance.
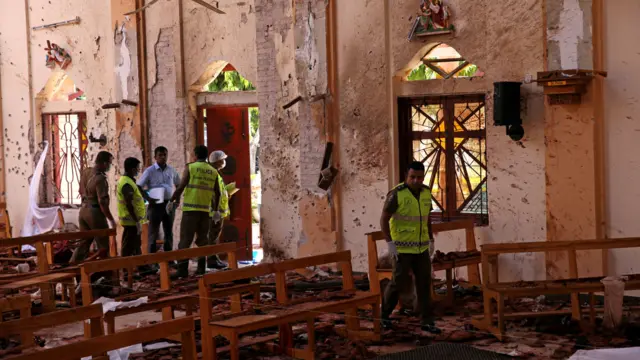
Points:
(200, 190)
(410, 223)
(223, 205)
(138, 202)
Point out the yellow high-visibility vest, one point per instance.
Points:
(410, 223)
(138, 203)
(200, 190)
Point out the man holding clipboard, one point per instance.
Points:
(160, 179)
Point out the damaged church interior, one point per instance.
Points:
(319, 179)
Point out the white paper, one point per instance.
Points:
(121, 354)
(608, 354)
(110, 304)
(157, 193)
(159, 345)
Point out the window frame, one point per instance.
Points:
(406, 136)
(52, 180)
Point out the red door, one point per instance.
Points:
(228, 130)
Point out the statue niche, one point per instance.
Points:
(433, 19)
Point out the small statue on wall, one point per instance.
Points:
(433, 19)
(57, 56)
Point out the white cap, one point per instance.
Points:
(217, 156)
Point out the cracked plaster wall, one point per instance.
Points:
(622, 106)
(90, 49)
(569, 138)
(208, 38)
(279, 129)
(505, 41)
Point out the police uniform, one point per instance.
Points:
(223, 207)
(409, 226)
(93, 188)
(131, 242)
(196, 207)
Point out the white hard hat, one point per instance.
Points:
(217, 156)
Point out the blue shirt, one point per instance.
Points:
(155, 177)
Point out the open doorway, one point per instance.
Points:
(231, 123)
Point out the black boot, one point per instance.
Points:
(214, 262)
(202, 262)
(183, 270)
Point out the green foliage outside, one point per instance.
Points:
(254, 121)
(422, 72)
(233, 81)
(230, 81)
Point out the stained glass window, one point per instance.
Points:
(448, 135)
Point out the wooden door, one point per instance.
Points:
(228, 130)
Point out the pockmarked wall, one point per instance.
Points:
(505, 42)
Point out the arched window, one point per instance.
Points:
(443, 62)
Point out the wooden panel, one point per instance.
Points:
(313, 261)
(11, 303)
(49, 278)
(119, 340)
(507, 248)
(30, 240)
(244, 273)
(134, 261)
(50, 320)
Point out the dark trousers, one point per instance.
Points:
(193, 223)
(420, 264)
(215, 230)
(131, 242)
(91, 218)
(157, 215)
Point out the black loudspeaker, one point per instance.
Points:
(506, 103)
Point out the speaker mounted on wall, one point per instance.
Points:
(506, 108)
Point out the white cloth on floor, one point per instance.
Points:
(38, 220)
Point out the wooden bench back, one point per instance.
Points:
(490, 252)
(280, 269)
(22, 304)
(162, 258)
(5, 222)
(39, 241)
(342, 258)
(100, 345)
(470, 238)
(26, 326)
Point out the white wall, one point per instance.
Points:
(622, 122)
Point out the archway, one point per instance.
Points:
(228, 120)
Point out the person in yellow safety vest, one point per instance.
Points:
(131, 209)
(201, 193)
(406, 225)
(217, 160)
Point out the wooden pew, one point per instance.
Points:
(494, 290)
(5, 222)
(376, 274)
(97, 346)
(130, 263)
(286, 312)
(22, 304)
(25, 327)
(45, 279)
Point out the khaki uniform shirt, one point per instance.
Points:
(93, 187)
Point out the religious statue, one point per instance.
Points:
(57, 56)
(432, 19)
